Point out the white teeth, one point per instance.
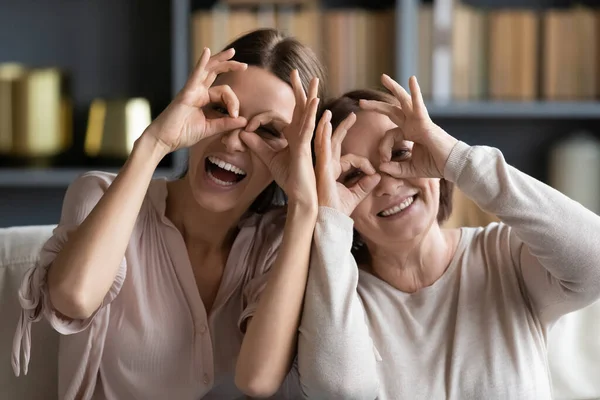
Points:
(226, 165)
(220, 182)
(398, 208)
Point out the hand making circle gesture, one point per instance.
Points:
(331, 164)
(431, 145)
(291, 166)
(183, 123)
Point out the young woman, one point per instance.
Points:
(157, 286)
(433, 313)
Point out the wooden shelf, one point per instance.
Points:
(54, 178)
(504, 109)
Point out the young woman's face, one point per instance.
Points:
(397, 209)
(223, 173)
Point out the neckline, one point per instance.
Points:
(232, 275)
(465, 236)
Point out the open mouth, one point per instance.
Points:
(399, 208)
(222, 172)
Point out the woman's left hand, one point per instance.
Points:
(291, 166)
(431, 145)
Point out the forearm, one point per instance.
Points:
(561, 234)
(336, 356)
(85, 268)
(270, 341)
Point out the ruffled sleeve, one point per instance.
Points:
(81, 197)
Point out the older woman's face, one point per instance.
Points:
(397, 209)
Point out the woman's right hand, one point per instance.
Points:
(330, 165)
(183, 123)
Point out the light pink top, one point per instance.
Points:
(151, 338)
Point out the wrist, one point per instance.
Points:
(441, 146)
(149, 148)
(303, 209)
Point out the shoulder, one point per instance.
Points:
(90, 183)
(84, 193)
(493, 246)
(488, 236)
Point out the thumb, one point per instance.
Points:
(258, 146)
(397, 169)
(225, 124)
(364, 186)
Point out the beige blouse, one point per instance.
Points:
(152, 338)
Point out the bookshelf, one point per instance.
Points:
(165, 24)
(406, 36)
(122, 48)
(505, 109)
(523, 130)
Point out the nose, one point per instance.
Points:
(387, 185)
(232, 141)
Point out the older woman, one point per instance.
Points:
(433, 313)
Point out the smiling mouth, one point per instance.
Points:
(223, 173)
(399, 208)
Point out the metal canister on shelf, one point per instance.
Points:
(114, 125)
(43, 114)
(10, 74)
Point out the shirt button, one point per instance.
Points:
(202, 328)
(206, 379)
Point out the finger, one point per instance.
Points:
(223, 55)
(322, 131)
(351, 160)
(313, 89)
(221, 68)
(323, 141)
(387, 143)
(258, 146)
(308, 124)
(417, 97)
(225, 124)
(399, 92)
(340, 134)
(224, 94)
(393, 112)
(266, 118)
(227, 66)
(299, 95)
(321, 153)
(402, 169)
(199, 71)
(364, 186)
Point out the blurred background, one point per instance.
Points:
(80, 80)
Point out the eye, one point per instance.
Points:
(218, 108)
(401, 154)
(268, 132)
(352, 177)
